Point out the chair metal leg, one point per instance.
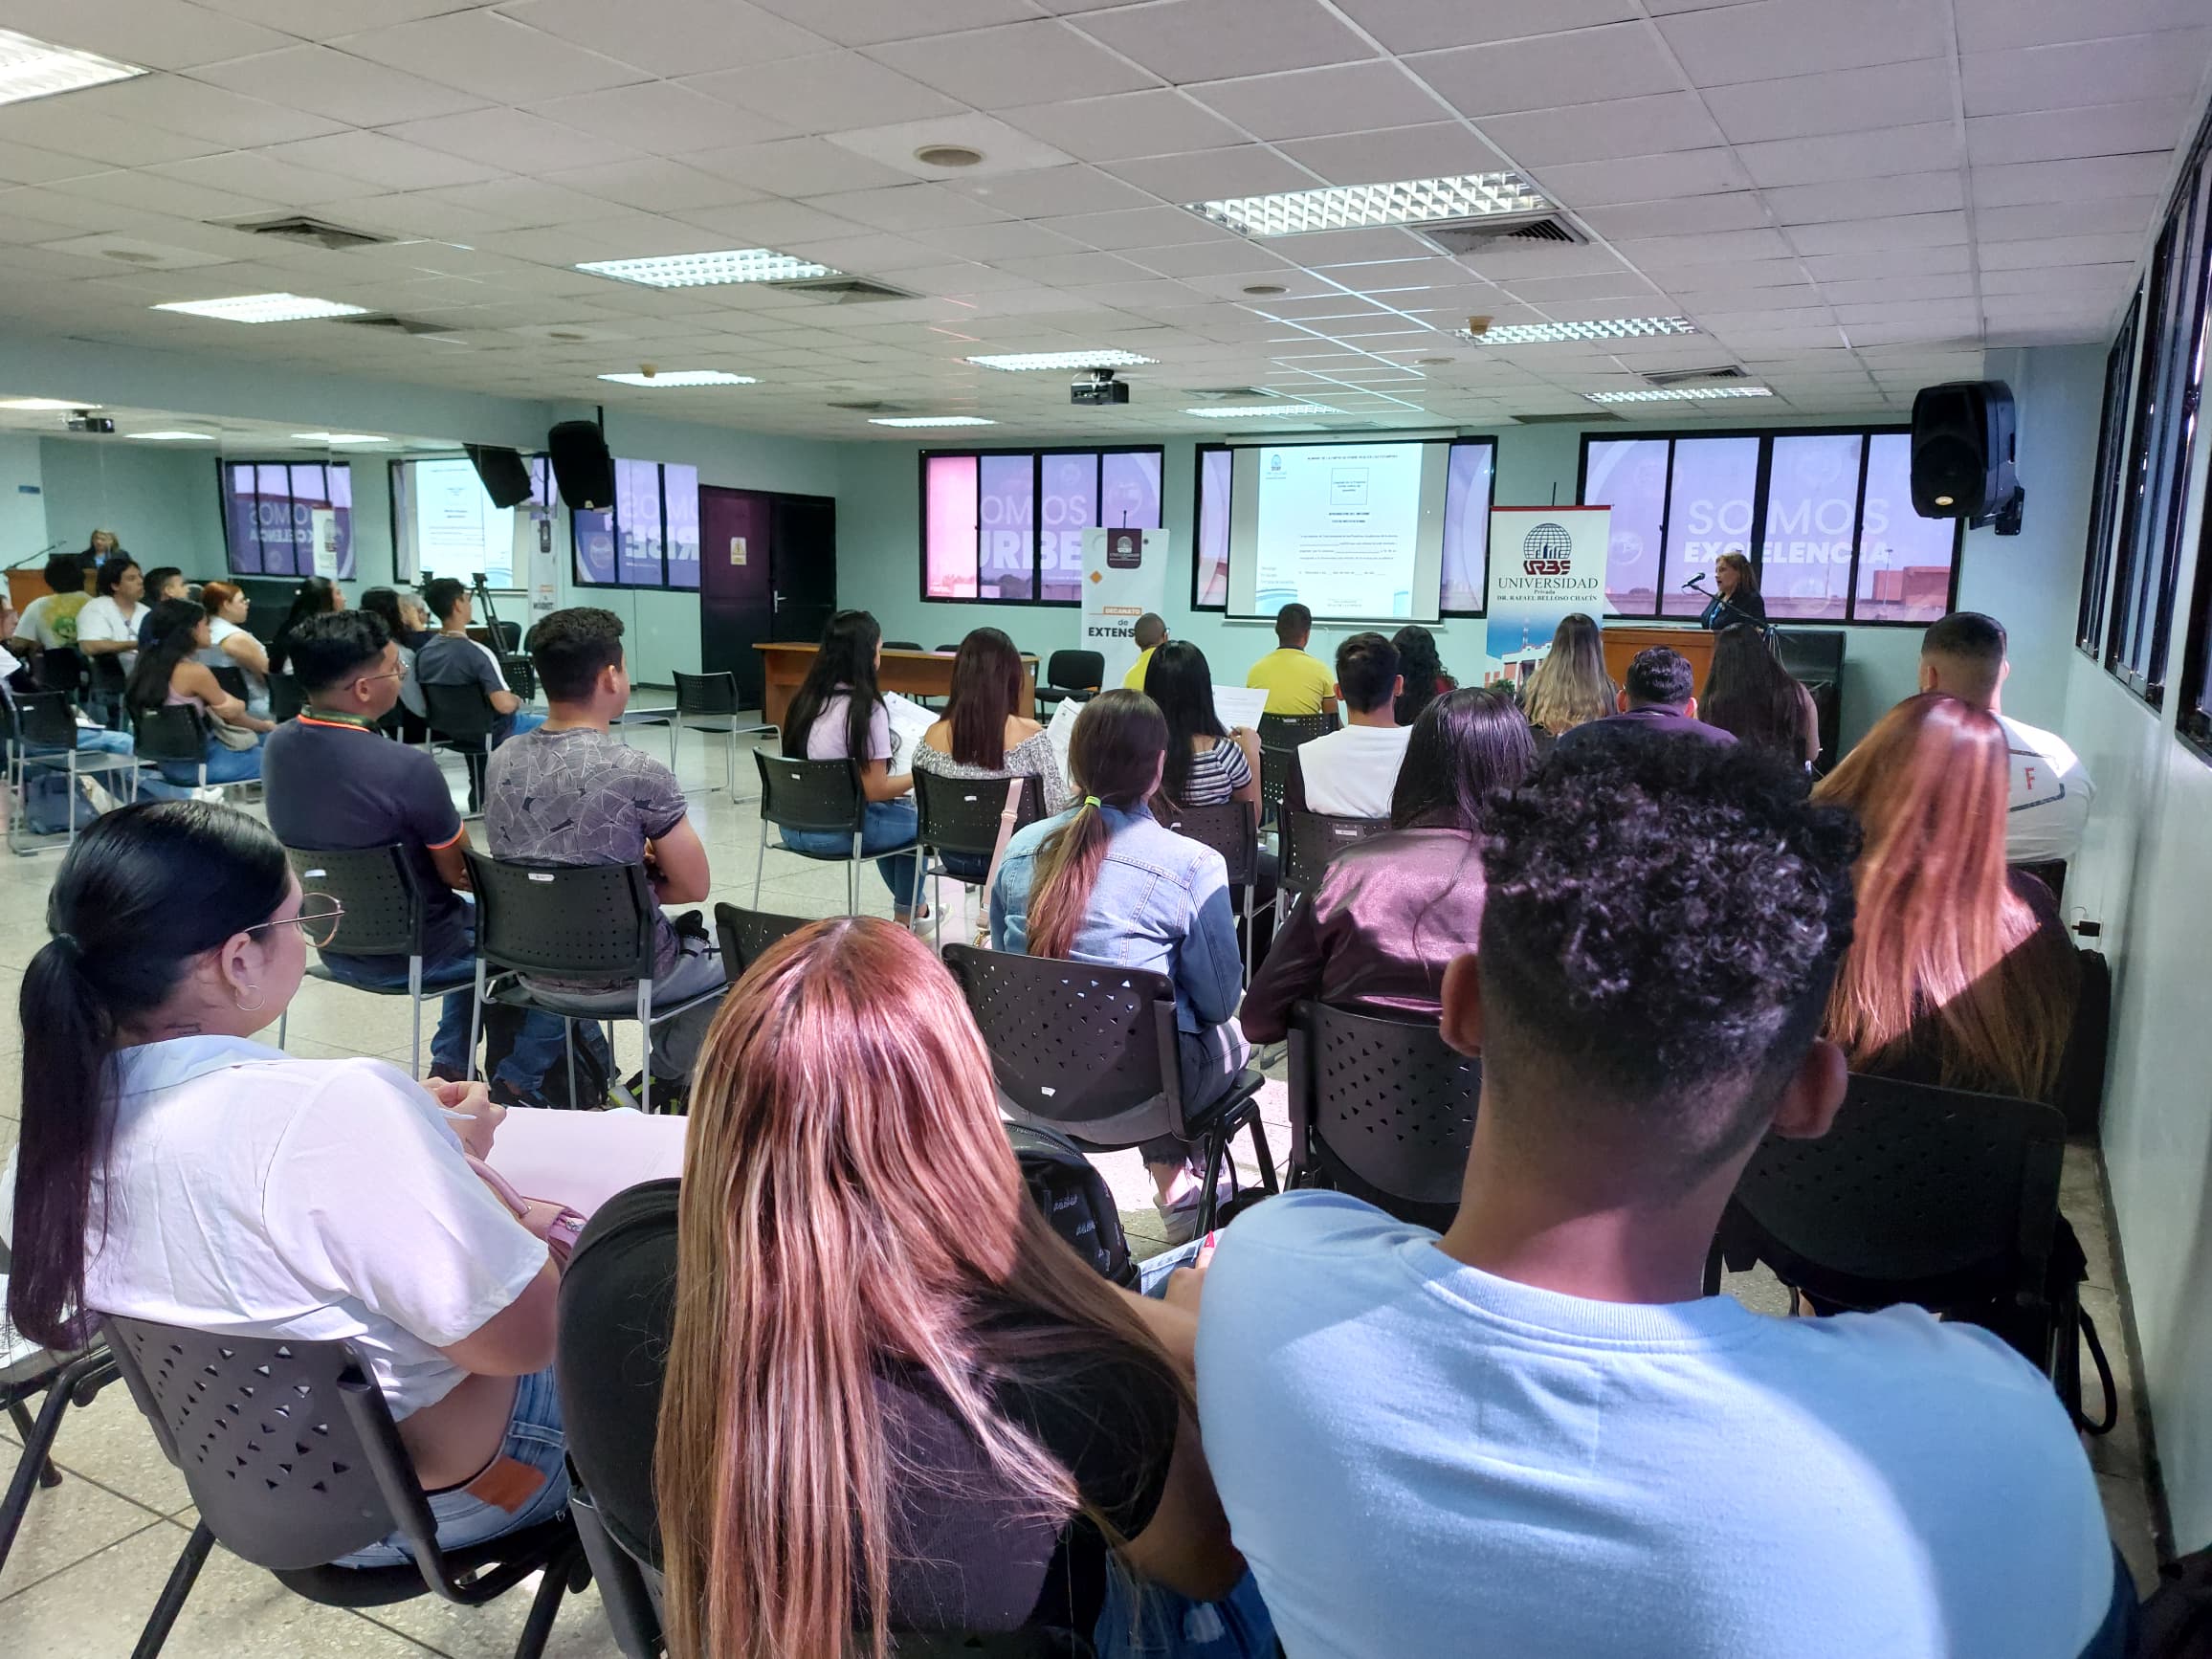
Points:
(645, 1038)
(760, 863)
(48, 1477)
(675, 732)
(545, 1605)
(475, 1022)
(181, 1577)
(568, 1040)
(730, 761)
(1251, 926)
(35, 1468)
(1216, 1149)
(283, 1020)
(414, 995)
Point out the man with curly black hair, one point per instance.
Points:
(1534, 1437)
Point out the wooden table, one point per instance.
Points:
(915, 674)
(1623, 642)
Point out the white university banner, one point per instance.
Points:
(1125, 575)
(1544, 562)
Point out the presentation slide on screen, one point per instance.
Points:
(455, 529)
(1353, 531)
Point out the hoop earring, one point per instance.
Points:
(254, 1007)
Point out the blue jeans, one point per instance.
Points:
(887, 824)
(535, 1438)
(225, 766)
(514, 725)
(538, 1044)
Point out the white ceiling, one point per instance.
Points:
(1851, 197)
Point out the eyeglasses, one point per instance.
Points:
(318, 919)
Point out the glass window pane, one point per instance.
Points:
(1209, 575)
(1709, 514)
(1006, 519)
(1129, 490)
(1070, 505)
(949, 526)
(1629, 476)
(680, 496)
(1813, 501)
(1467, 492)
(1904, 559)
(637, 522)
(241, 522)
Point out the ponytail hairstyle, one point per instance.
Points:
(844, 663)
(1114, 758)
(145, 889)
(176, 637)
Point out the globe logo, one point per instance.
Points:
(1547, 550)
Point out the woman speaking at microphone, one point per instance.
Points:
(1737, 600)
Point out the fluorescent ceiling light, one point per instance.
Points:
(683, 377)
(929, 421)
(1019, 359)
(1678, 393)
(1360, 207)
(264, 308)
(46, 402)
(34, 69)
(335, 438)
(1218, 413)
(711, 270)
(1606, 328)
(174, 437)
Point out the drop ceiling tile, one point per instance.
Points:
(800, 167)
(907, 207)
(1721, 247)
(1789, 37)
(767, 224)
(1346, 98)
(26, 164)
(1050, 191)
(1139, 228)
(2107, 129)
(2060, 251)
(1744, 209)
(1906, 231)
(498, 59)
(327, 82)
(1583, 185)
(177, 104)
(1235, 257)
(618, 236)
(154, 193)
(2102, 283)
(1064, 270)
(1954, 285)
(1187, 41)
(496, 137)
(117, 143)
(1137, 123)
(2047, 77)
(1868, 198)
(531, 201)
(658, 187)
(1872, 265)
(1435, 150)
(1597, 132)
(666, 117)
(829, 92)
(379, 159)
(1993, 25)
(2129, 216)
(2023, 182)
(1427, 25)
(1847, 101)
(1546, 291)
(1923, 146)
(158, 34)
(1213, 175)
(672, 37)
(1001, 67)
(1610, 62)
(866, 22)
(1005, 239)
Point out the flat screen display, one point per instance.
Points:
(1355, 532)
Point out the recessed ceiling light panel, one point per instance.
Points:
(1250, 409)
(711, 270)
(264, 308)
(1603, 329)
(1020, 360)
(335, 438)
(30, 68)
(675, 377)
(174, 437)
(33, 403)
(1678, 393)
(1363, 206)
(930, 421)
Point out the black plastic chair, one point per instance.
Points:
(64, 1379)
(461, 720)
(108, 684)
(286, 698)
(963, 815)
(629, 1590)
(902, 645)
(292, 1459)
(175, 735)
(948, 650)
(1092, 1051)
(41, 735)
(825, 797)
(1383, 1110)
(233, 679)
(747, 933)
(62, 669)
(588, 922)
(382, 905)
(1233, 830)
(1935, 1196)
(1280, 736)
(1073, 675)
(708, 698)
(1310, 840)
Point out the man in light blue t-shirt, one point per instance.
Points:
(1533, 1438)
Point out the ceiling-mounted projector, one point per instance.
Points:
(1098, 387)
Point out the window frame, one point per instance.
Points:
(2113, 432)
(2193, 718)
(1755, 538)
(223, 464)
(1200, 451)
(613, 512)
(1036, 453)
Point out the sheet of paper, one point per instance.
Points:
(1240, 705)
(1062, 732)
(582, 1159)
(7, 662)
(909, 720)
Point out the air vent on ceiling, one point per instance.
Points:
(844, 290)
(1688, 376)
(394, 324)
(1565, 420)
(1460, 237)
(315, 233)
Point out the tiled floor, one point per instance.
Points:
(93, 1552)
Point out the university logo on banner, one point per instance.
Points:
(1546, 564)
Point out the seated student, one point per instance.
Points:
(1570, 687)
(568, 791)
(1422, 668)
(171, 1170)
(1105, 882)
(1295, 683)
(1150, 635)
(1352, 773)
(450, 657)
(168, 672)
(1657, 696)
(48, 621)
(231, 646)
(107, 627)
(984, 735)
(1961, 972)
(398, 621)
(1749, 694)
(837, 713)
(162, 582)
(1021, 1433)
(316, 596)
(1207, 764)
(1964, 656)
(1394, 910)
(1533, 1436)
(331, 784)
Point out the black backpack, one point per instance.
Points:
(1074, 1198)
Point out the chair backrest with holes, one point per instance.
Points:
(172, 733)
(233, 679)
(585, 920)
(459, 712)
(810, 794)
(1087, 1050)
(377, 891)
(44, 719)
(269, 1445)
(1380, 1109)
(61, 668)
(1231, 829)
(1075, 669)
(706, 694)
(1312, 839)
(963, 814)
(746, 934)
(286, 699)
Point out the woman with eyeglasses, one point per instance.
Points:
(174, 1170)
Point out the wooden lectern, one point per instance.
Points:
(1622, 643)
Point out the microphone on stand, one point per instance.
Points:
(1696, 582)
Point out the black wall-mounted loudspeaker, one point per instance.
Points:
(1962, 450)
(503, 473)
(582, 467)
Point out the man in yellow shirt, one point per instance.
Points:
(1151, 634)
(1295, 683)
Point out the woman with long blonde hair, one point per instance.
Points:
(1960, 971)
(1570, 687)
(895, 1398)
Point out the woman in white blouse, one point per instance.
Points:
(986, 733)
(171, 1170)
(231, 646)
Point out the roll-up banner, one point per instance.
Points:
(1125, 575)
(1544, 563)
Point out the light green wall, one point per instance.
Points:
(162, 502)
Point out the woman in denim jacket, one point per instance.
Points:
(1105, 882)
